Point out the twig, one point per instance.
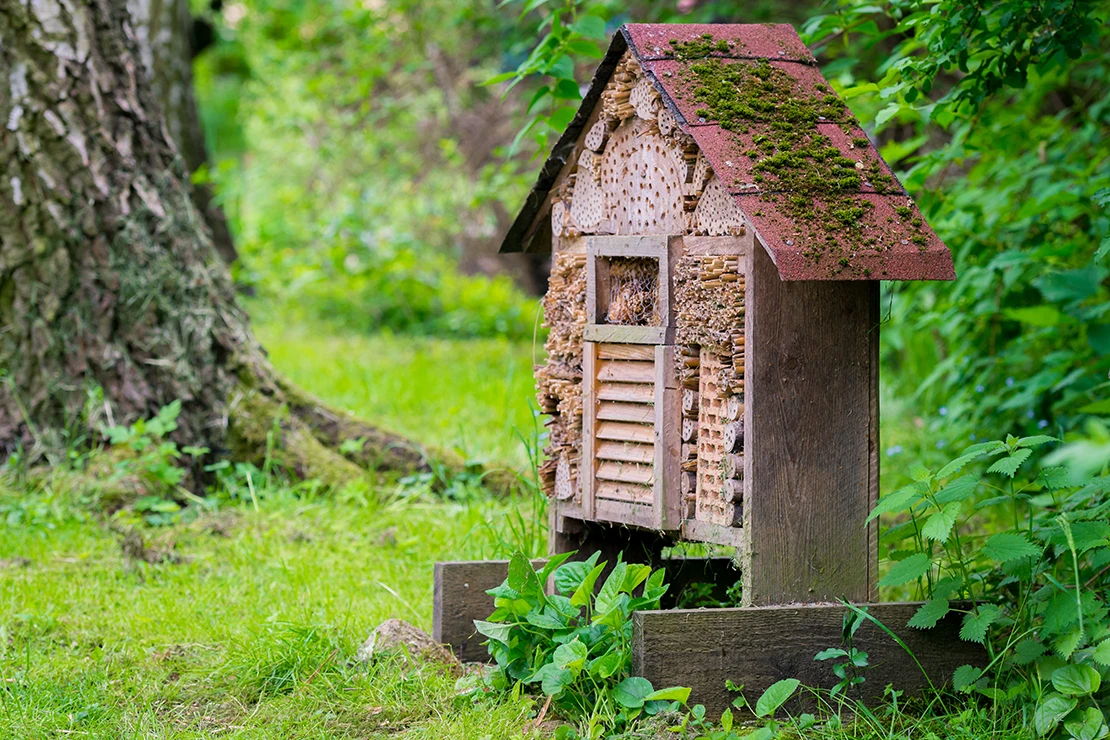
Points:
(543, 712)
(320, 667)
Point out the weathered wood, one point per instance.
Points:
(717, 534)
(734, 408)
(623, 512)
(689, 430)
(668, 499)
(622, 472)
(622, 371)
(757, 646)
(808, 463)
(629, 492)
(733, 490)
(626, 352)
(710, 246)
(621, 432)
(733, 436)
(589, 432)
(634, 412)
(625, 452)
(459, 597)
(628, 246)
(624, 334)
(690, 403)
(631, 393)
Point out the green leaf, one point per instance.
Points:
(1028, 650)
(1050, 711)
(959, 463)
(829, 653)
(887, 113)
(561, 118)
(1006, 546)
(590, 26)
(1103, 249)
(1043, 316)
(562, 68)
(607, 664)
(978, 621)
(681, 694)
(569, 576)
(570, 655)
(931, 612)
(493, 631)
(555, 679)
(607, 596)
(900, 500)
(567, 90)
(585, 590)
(1091, 727)
(1008, 466)
(1101, 654)
(775, 696)
(960, 489)
(965, 677)
(632, 692)
(1035, 441)
(1076, 680)
(498, 79)
(939, 525)
(905, 571)
(522, 578)
(553, 563)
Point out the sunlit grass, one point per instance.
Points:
(469, 395)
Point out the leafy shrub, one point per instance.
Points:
(1033, 553)
(573, 645)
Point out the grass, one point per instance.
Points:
(253, 635)
(471, 395)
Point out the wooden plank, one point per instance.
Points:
(621, 432)
(625, 352)
(589, 402)
(807, 427)
(711, 246)
(623, 371)
(623, 512)
(625, 452)
(625, 392)
(873, 442)
(758, 646)
(628, 246)
(667, 493)
(623, 472)
(570, 245)
(630, 492)
(716, 534)
(624, 334)
(459, 597)
(634, 412)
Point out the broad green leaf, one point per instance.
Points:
(958, 464)
(931, 612)
(607, 596)
(681, 694)
(965, 677)
(1006, 546)
(900, 500)
(1044, 315)
(1050, 711)
(562, 68)
(585, 590)
(607, 664)
(1065, 646)
(1076, 680)
(1008, 466)
(905, 571)
(830, 653)
(1035, 441)
(775, 696)
(978, 621)
(567, 90)
(938, 526)
(561, 118)
(726, 720)
(1092, 726)
(553, 563)
(634, 576)
(497, 79)
(958, 490)
(492, 630)
(569, 576)
(632, 692)
(590, 26)
(1101, 654)
(547, 619)
(555, 679)
(1028, 650)
(887, 113)
(570, 655)
(522, 578)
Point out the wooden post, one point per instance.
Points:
(810, 422)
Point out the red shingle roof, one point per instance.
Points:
(890, 241)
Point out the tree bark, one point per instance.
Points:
(163, 35)
(113, 302)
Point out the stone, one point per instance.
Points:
(398, 638)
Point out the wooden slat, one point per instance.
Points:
(626, 371)
(628, 246)
(625, 452)
(623, 472)
(631, 393)
(624, 334)
(710, 246)
(622, 432)
(634, 412)
(758, 646)
(623, 512)
(589, 388)
(631, 493)
(626, 352)
(717, 534)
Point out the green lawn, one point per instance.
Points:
(472, 396)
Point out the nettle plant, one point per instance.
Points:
(1032, 553)
(575, 644)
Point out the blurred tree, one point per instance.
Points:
(112, 300)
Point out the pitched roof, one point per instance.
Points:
(814, 226)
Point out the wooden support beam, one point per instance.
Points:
(757, 646)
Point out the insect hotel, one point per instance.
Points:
(718, 224)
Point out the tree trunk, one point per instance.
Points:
(112, 300)
(163, 35)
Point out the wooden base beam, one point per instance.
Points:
(757, 646)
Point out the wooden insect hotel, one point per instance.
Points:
(718, 224)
